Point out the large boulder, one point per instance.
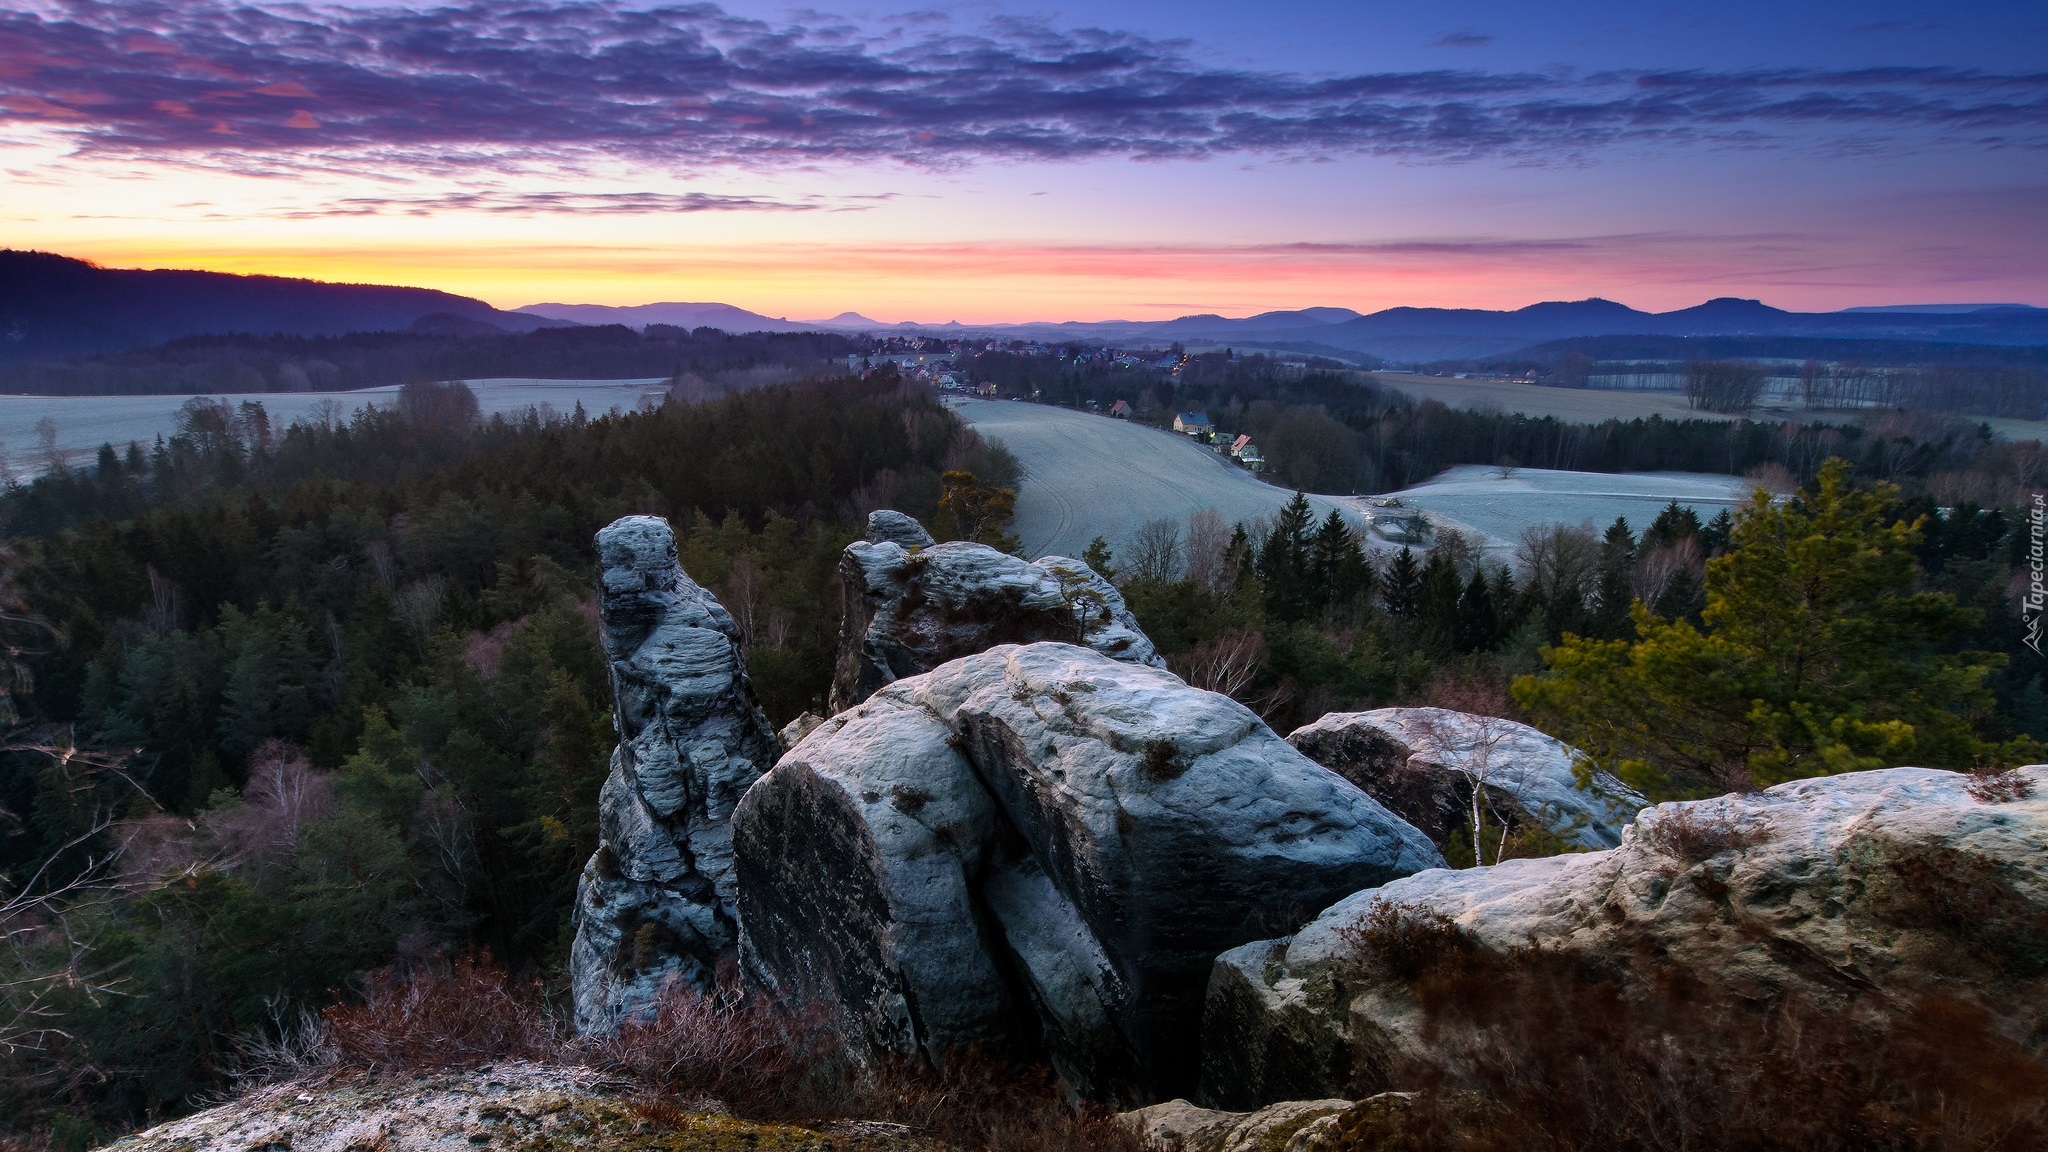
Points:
(1867, 889)
(909, 605)
(1424, 763)
(1040, 845)
(658, 900)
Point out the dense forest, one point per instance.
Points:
(454, 349)
(344, 681)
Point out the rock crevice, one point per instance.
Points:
(658, 900)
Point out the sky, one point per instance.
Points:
(1008, 161)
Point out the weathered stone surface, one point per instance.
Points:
(793, 733)
(1867, 887)
(1091, 832)
(855, 858)
(658, 899)
(512, 1104)
(1274, 1128)
(1424, 762)
(909, 605)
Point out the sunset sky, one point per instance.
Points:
(1014, 161)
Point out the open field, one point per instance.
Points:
(86, 422)
(1089, 476)
(1580, 405)
(1590, 405)
(1477, 500)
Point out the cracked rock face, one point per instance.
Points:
(1038, 846)
(658, 899)
(1424, 762)
(909, 605)
(1868, 888)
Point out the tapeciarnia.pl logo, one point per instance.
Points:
(2037, 565)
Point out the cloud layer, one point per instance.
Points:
(498, 83)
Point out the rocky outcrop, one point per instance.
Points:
(1870, 888)
(514, 1104)
(1281, 1127)
(1038, 845)
(658, 899)
(909, 605)
(1424, 763)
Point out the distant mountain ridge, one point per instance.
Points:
(53, 305)
(726, 317)
(1414, 335)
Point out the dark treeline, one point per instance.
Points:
(1340, 432)
(348, 703)
(236, 364)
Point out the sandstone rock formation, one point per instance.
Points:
(1868, 889)
(909, 605)
(658, 900)
(1038, 845)
(1282, 1127)
(1424, 763)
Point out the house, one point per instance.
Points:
(1121, 409)
(985, 389)
(1243, 441)
(1192, 424)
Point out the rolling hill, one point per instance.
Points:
(53, 305)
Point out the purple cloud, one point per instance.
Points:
(572, 203)
(511, 83)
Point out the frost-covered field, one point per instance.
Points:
(1088, 476)
(86, 422)
(1480, 501)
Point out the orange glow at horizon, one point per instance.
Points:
(1024, 281)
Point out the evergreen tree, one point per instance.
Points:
(1815, 653)
(1339, 570)
(1477, 627)
(1617, 565)
(1099, 557)
(1403, 586)
(1437, 600)
(1284, 562)
(1674, 523)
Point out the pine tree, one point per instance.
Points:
(1437, 600)
(1284, 562)
(1815, 653)
(1403, 584)
(1617, 564)
(1477, 627)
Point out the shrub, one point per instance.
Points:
(757, 1058)
(439, 1016)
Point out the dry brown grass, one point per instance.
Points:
(751, 1056)
(439, 1016)
(1539, 1051)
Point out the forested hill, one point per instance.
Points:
(53, 305)
(239, 364)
